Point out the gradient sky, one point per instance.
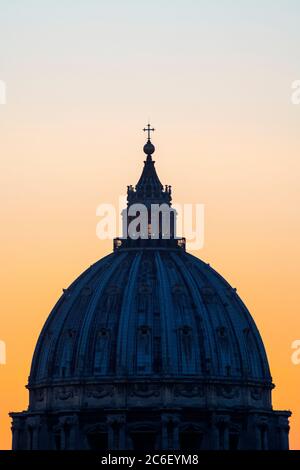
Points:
(214, 77)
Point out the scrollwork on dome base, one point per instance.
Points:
(145, 390)
(189, 390)
(228, 391)
(64, 393)
(100, 391)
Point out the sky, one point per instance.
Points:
(82, 79)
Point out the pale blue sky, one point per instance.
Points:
(160, 58)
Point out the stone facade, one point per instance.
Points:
(152, 429)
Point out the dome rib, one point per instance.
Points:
(224, 321)
(235, 311)
(125, 330)
(46, 346)
(170, 358)
(200, 309)
(83, 342)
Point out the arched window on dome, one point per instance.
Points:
(254, 364)
(144, 350)
(102, 351)
(186, 350)
(65, 359)
(225, 349)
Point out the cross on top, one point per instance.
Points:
(149, 130)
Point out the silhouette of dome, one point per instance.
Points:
(156, 312)
(150, 348)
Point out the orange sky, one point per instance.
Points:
(80, 87)
(49, 222)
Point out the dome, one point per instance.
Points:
(149, 312)
(150, 349)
